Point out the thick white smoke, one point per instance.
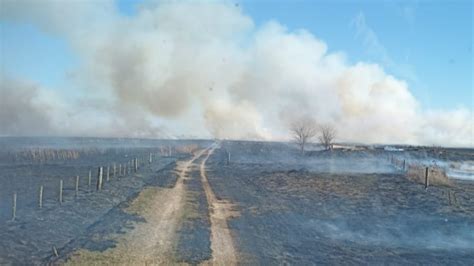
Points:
(203, 69)
(22, 108)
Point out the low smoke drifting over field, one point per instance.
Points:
(181, 68)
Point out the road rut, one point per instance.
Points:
(222, 244)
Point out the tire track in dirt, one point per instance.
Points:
(150, 243)
(222, 244)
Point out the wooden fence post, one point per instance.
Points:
(55, 252)
(60, 191)
(136, 165)
(114, 168)
(89, 183)
(427, 182)
(14, 207)
(108, 173)
(151, 158)
(41, 197)
(228, 157)
(77, 186)
(120, 169)
(99, 178)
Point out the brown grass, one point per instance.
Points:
(191, 148)
(436, 175)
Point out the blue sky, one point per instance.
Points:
(426, 43)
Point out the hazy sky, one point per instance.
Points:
(418, 53)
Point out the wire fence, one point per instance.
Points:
(54, 190)
(420, 173)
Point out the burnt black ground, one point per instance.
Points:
(292, 215)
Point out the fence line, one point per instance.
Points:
(111, 172)
(420, 173)
(122, 171)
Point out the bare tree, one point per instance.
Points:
(327, 135)
(303, 131)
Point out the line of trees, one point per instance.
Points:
(304, 130)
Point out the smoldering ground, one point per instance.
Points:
(305, 212)
(205, 69)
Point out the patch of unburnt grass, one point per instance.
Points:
(140, 203)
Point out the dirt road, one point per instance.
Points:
(154, 242)
(222, 246)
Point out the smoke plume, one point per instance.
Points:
(204, 69)
(22, 108)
